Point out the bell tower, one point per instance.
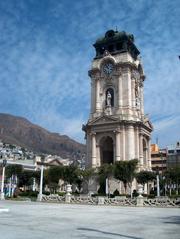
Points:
(117, 128)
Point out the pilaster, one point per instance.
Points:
(93, 138)
(131, 153)
(118, 153)
(141, 149)
(98, 107)
(123, 143)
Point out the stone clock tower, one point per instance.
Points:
(117, 128)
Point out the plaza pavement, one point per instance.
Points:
(28, 220)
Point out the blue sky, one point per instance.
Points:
(46, 52)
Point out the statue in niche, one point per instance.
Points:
(108, 99)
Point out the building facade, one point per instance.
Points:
(158, 159)
(117, 128)
(173, 156)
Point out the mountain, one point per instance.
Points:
(21, 132)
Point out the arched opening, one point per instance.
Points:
(106, 150)
(110, 97)
(144, 152)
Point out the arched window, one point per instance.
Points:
(110, 97)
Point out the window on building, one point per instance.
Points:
(171, 151)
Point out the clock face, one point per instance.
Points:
(108, 68)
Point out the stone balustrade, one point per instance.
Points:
(117, 201)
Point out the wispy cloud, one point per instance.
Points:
(46, 51)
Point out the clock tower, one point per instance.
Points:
(117, 128)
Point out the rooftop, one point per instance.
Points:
(116, 42)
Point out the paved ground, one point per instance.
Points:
(26, 220)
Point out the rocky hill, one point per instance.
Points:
(21, 132)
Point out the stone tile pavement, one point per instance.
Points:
(28, 220)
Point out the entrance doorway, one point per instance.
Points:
(107, 151)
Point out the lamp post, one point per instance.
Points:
(3, 175)
(157, 181)
(41, 179)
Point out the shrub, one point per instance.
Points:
(29, 194)
(61, 193)
(135, 193)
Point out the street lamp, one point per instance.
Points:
(41, 179)
(2, 182)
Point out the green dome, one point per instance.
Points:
(115, 42)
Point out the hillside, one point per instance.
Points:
(20, 131)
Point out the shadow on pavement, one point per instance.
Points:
(108, 233)
(172, 220)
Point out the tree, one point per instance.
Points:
(84, 176)
(13, 169)
(52, 177)
(125, 172)
(70, 174)
(176, 178)
(104, 172)
(26, 178)
(172, 177)
(144, 177)
(87, 174)
(13, 172)
(54, 173)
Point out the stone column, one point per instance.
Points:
(126, 84)
(141, 149)
(97, 95)
(98, 160)
(93, 150)
(149, 153)
(88, 149)
(118, 153)
(92, 97)
(123, 143)
(129, 89)
(131, 148)
(142, 100)
(119, 92)
(133, 93)
(137, 143)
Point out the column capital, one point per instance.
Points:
(116, 131)
(130, 126)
